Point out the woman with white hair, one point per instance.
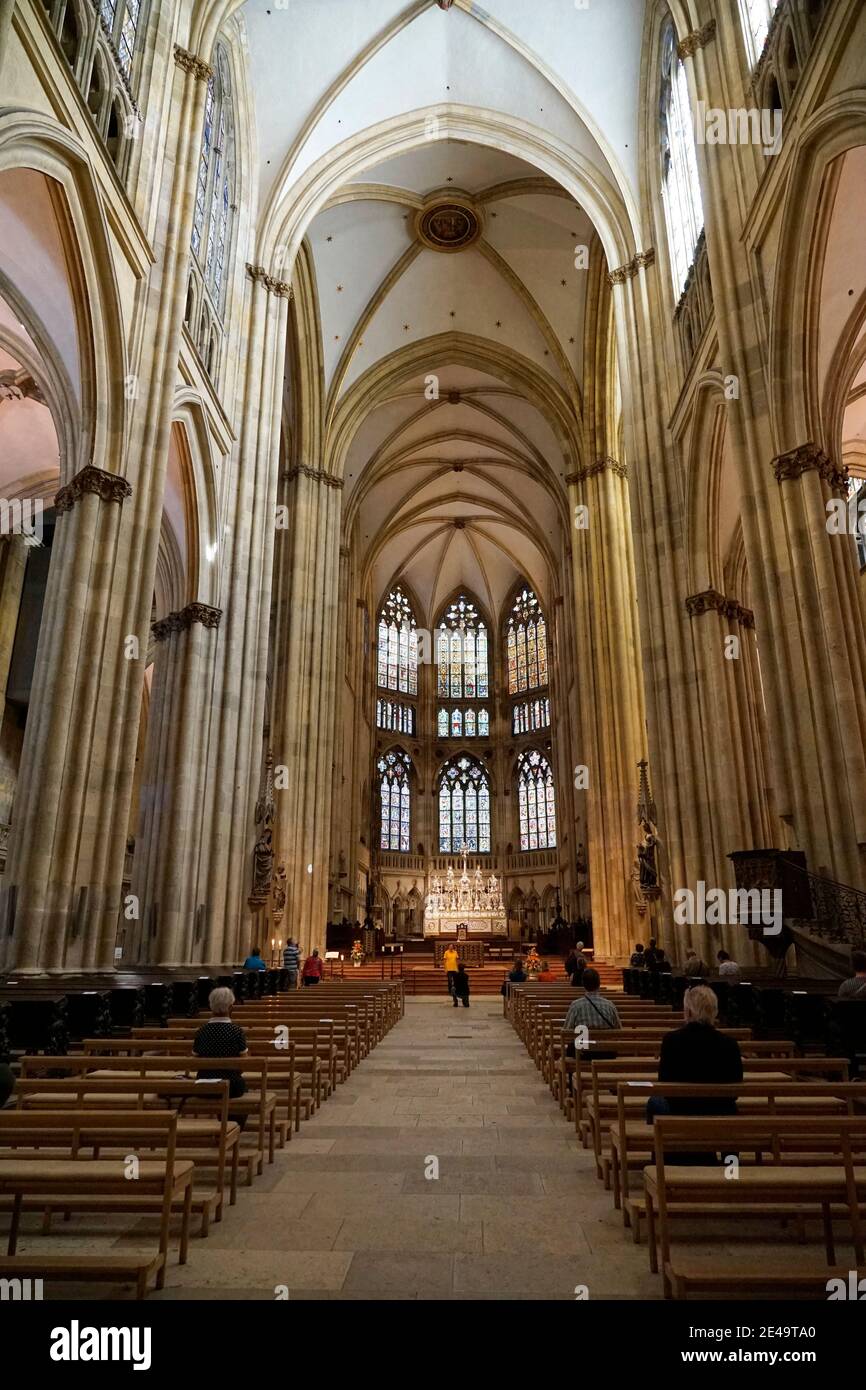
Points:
(219, 1037)
(699, 1053)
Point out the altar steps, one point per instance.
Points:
(487, 979)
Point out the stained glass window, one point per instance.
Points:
(211, 227)
(857, 516)
(121, 21)
(463, 723)
(464, 807)
(395, 801)
(398, 645)
(680, 183)
(537, 801)
(461, 653)
(394, 715)
(526, 644)
(530, 715)
(757, 15)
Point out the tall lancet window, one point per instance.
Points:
(462, 653)
(395, 801)
(537, 801)
(757, 16)
(464, 807)
(527, 662)
(121, 19)
(681, 187)
(397, 667)
(214, 193)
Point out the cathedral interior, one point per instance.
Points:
(432, 457)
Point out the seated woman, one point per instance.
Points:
(219, 1037)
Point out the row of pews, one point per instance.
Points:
(47, 1016)
(123, 1124)
(792, 1158)
(804, 1009)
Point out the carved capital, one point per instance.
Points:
(281, 288)
(318, 475)
(698, 38)
(711, 601)
(109, 487)
(189, 63)
(805, 459)
(182, 621)
(603, 465)
(639, 261)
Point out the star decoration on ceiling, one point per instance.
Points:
(405, 328)
(451, 313)
(498, 323)
(329, 238)
(562, 282)
(340, 288)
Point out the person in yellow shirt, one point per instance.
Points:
(449, 962)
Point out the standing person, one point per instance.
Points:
(292, 961)
(578, 971)
(570, 962)
(254, 960)
(314, 969)
(461, 986)
(651, 955)
(449, 962)
(219, 1037)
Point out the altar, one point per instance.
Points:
(465, 907)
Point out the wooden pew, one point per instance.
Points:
(56, 1180)
(258, 1103)
(212, 1143)
(839, 1186)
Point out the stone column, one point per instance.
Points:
(611, 696)
(738, 808)
(306, 696)
(804, 580)
(13, 556)
(168, 843)
(239, 687)
(7, 8)
(675, 737)
(64, 744)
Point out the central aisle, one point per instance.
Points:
(346, 1211)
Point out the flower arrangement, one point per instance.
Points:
(533, 963)
(357, 955)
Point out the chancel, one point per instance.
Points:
(432, 575)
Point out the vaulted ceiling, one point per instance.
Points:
(462, 336)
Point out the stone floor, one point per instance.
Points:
(442, 1169)
(350, 1208)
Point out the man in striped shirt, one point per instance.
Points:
(292, 961)
(591, 1009)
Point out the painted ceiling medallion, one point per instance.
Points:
(448, 223)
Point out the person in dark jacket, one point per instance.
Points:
(219, 1037)
(575, 974)
(699, 1052)
(516, 976)
(461, 986)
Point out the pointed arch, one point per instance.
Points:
(464, 651)
(395, 801)
(536, 797)
(464, 806)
